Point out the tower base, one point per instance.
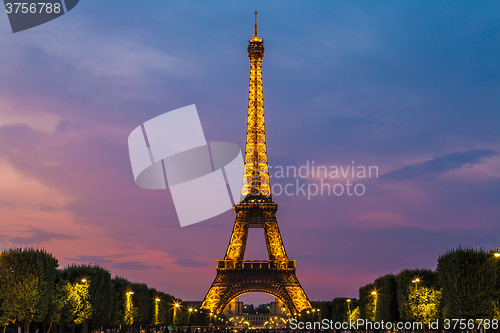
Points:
(235, 278)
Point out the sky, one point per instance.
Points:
(411, 89)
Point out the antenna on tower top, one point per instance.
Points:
(255, 34)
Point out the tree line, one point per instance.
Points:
(34, 292)
(465, 285)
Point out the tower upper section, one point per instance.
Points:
(256, 178)
(256, 44)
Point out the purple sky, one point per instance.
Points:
(409, 87)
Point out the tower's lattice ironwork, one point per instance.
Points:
(275, 276)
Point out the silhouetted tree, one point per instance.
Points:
(27, 280)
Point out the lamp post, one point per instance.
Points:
(84, 281)
(157, 308)
(189, 318)
(348, 308)
(129, 319)
(374, 294)
(176, 307)
(416, 281)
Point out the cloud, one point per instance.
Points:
(185, 262)
(135, 265)
(440, 165)
(46, 208)
(98, 260)
(40, 236)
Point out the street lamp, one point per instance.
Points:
(348, 308)
(129, 319)
(84, 280)
(189, 316)
(157, 308)
(497, 254)
(416, 281)
(176, 307)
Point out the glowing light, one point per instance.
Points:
(497, 254)
(256, 181)
(157, 300)
(130, 293)
(374, 293)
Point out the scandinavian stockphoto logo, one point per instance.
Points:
(171, 150)
(26, 14)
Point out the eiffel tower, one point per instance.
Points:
(236, 276)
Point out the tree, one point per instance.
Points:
(387, 298)
(424, 304)
(405, 286)
(341, 308)
(55, 314)
(18, 304)
(469, 280)
(368, 302)
(120, 288)
(27, 277)
(100, 291)
(143, 304)
(354, 315)
(326, 310)
(76, 306)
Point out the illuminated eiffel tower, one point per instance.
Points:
(275, 276)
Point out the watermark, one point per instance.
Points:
(171, 150)
(310, 180)
(26, 14)
(206, 179)
(364, 324)
(359, 324)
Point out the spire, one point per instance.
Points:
(256, 34)
(255, 37)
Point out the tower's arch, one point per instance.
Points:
(287, 302)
